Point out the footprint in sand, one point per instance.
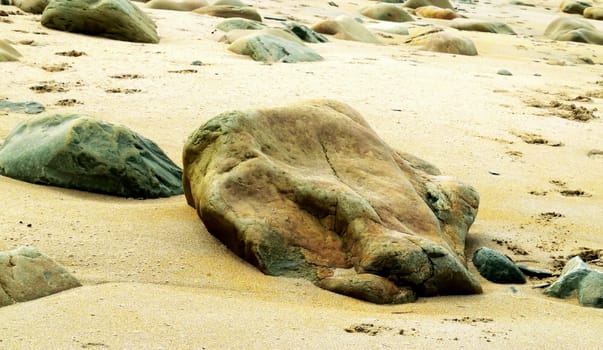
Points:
(535, 139)
(122, 91)
(71, 53)
(127, 76)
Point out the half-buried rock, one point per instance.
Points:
(84, 153)
(27, 274)
(176, 5)
(309, 190)
(272, 48)
(114, 19)
(482, 26)
(386, 12)
(346, 28)
(574, 29)
(445, 41)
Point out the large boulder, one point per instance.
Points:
(386, 12)
(346, 28)
(482, 26)
(176, 5)
(574, 29)
(438, 40)
(577, 278)
(7, 52)
(309, 189)
(271, 48)
(27, 274)
(84, 153)
(496, 267)
(114, 19)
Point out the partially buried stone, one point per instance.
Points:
(27, 274)
(504, 72)
(226, 11)
(305, 33)
(114, 19)
(577, 277)
(309, 189)
(346, 28)
(83, 153)
(23, 107)
(438, 40)
(496, 267)
(239, 23)
(271, 48)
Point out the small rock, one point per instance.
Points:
(504, 72)
(577, 277)
(496, 267)
(197, 63)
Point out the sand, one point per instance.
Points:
(154, 278)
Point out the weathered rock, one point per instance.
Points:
(413, 4)
(306, 189)
(365, 286)
(27, 274)
(574, 29)
(575, 7)
(176, 5)
(496, 267)
(389, 27)
(7, 52)
(386, 12)
(31, 6)
(114, 19)
(593, 13)
(305, 33)
(29, 107)
(437, 40)
(225, 11)
(83, 153)
(577, 277)
(239, 23)
(436, 12)
(482, 26)
(272, 48)
(346, 28)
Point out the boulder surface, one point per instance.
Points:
(27, 274)
(271, 48)
(346, 28)
(308, 189)
(496, 267)
(114, 19)
(83, 153)
(577, 278)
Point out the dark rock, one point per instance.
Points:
(577, 278)
(114, 19)
(504, 72)
(27, 274)
(574, 29)
(496, 267)
(83, 153)
(482, 26)
(305, 33)
(536, 273)
(575, 7)
(307, 189)
(239, 23)
(7, 52)
(271, 48)
(23, 107)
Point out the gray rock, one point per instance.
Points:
(32, 6)
(574, 29)
(305, 33)
(504, 72)
(29, 107)
(114, 19)
(226, 11)
(575, 7)
(83, 153)
(496, 267)
(339, 197)
(239, 23)
(577, 278)
(27, 274)
(271, 48)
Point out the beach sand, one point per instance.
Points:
(154, 278)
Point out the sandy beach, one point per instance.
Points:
(154, 278)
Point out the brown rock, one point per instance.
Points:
(593, 13)
(306, 189)
(413, 4)
(346, 28)
(437, 40)
(436, 12)
(386, 12)
(575, 7)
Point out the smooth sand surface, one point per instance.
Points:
(154, 278)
